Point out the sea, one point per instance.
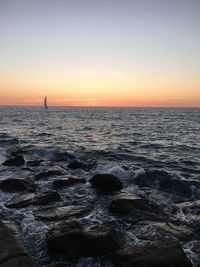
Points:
(130, 143)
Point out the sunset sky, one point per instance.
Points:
(100, 52)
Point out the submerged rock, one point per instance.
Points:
(151, 178)
(106, 182)
(129, 203)
(33, 199)
(69, 181)
(12, 254)
(75, 241)
(76, 164)
(61, 212)
(34, 163)
(17, 185)
(165, 182)
(15, 160)
(163, 252)
(178, 186)
(47, 174)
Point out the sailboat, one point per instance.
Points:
(45, 102)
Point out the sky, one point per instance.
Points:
(100, 52)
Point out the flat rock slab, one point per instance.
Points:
(164, 252)
(61, 212)
(17, 185)
(47, 174)
(69, 181)
(150, 230)
(12, 254)
(128, 203)
(24, 200)
(188, 205)
(75, 240)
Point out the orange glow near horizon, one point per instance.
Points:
(104, 89)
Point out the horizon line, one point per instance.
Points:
(189, 107)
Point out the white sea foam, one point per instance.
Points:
(182, 216)
(139, 172)
(92, 262)
(117, 171)
(194, 258)
(134, 189)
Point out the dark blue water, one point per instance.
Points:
(124, 141)
(143, 137)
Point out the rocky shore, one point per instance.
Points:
(139, 227)
(12, 253)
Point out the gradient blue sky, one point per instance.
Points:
(135, 53)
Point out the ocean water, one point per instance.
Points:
(127, 142)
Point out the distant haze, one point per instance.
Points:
(100, 52)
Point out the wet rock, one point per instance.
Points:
(75, 241)
(47, 174)
(188, 206)
(58, 156)
(161, 197)
(17, 185)
(106, 182)
(13, 227)
(33, 199)
(129, 203)
(61, 212)
(34, 163)
(76, 164)
(163, 252)
(151, 230)
(16, 160)
(164, 181)
(177, 186)
(151, 178)
(12, 253)
(69, 181)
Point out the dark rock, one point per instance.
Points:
(17, 185)
(33, 199)
(75, 241)
(57, 156)
(177, 186)
(17, 160)
(164, 181)
(47, 197)
(152, 230)
(76, 164)
(12, 253)
(151, 178)
(129, 203)
(48, 174)
(13, 228)
(69, 181)
(164, 252)
(34, 163)
(106, 182)
(188, 206)
(61, 212)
